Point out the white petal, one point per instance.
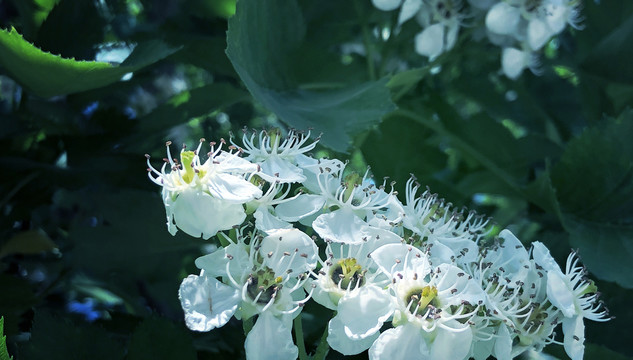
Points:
(276, 169)
(199, 214)
(342, 343)
(538, 33)
(430, 42)
(233, 188)
(363, 312)
(207, 303)
(398, 258)
(408, 10)
(214, 264)
(503, 18)
(556, 16)
(267, 222)
(513, 61)
(270, 339)
(226, 162)
(542, 256)
(403, 342)
(454, 345)
(386, 5)
(559, 293)
(503, 343)
(300, 207)
(289, 249)
(340, 226)
(451, 35)
(574, 341)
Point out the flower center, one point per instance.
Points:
(187, 159)
(421, 302)
(263, 285)
(347, 274)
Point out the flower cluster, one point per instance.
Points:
(520, 27)
(413, 279)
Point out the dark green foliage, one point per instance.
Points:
(82, 231)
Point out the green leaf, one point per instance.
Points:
(158, 338)
(4, 353)
(55, 338)
(47, 75)
(594, 178)
(76, 20)
(594, 185)
(611, 57)
(606, 249)
(263, 42)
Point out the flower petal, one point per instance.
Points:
(559, 293)
(574, 340)
(275, 169)
(363, 312)
(513, 61)
(408, 10)
(207, 303)
(302, 206)
(450, 344)
(200, 215)
(340, 226)
(270, 339)
(403, 342)
(430, 42)
(386, 5)
(289, 249)
(342, 343)
(503, 18)
(232, 188)
(267, 222)
(538, 33)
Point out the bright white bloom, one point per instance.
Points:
(514, 61)
(574, 295)
(277, 159)
(349, 279)
(435, 303)
(204, 198)
(450, 235)
(261, 278)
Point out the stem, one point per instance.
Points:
(366, 41)
(247, 325)
(323, 348)
(298, 326)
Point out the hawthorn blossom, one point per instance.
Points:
(574, 295)
(204, 198)
(277, 159)
(264, 278)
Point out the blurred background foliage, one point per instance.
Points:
(87, 268)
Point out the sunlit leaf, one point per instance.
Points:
(47, 75)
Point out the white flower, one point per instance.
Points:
(435, 303)
(514, 61)
(262, 278)
(204, 198)
(450, 235)
(574, 295)
(277, 159)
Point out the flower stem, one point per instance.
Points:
(247, 325)
(323, 348)
(298, 326)
(369, 48)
